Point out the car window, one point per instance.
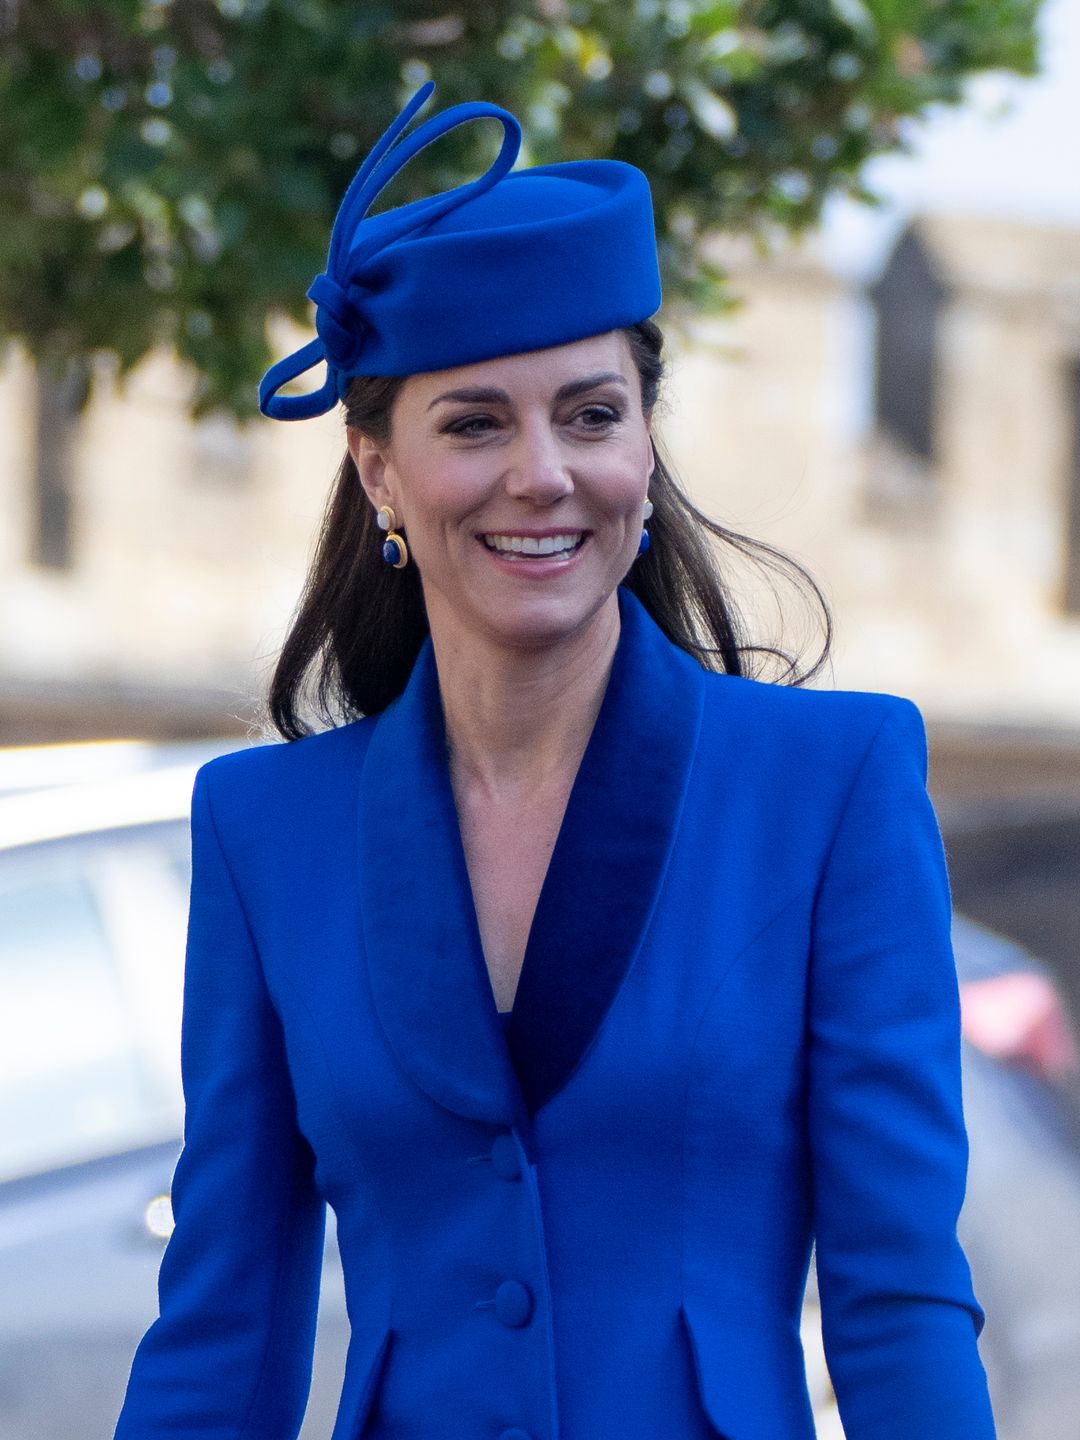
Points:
(91, 939)
(175, 841)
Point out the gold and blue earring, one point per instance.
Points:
(394, 551)
(645, 542)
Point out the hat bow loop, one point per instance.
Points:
(340, 326)
(339, 323)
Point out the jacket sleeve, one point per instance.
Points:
(230, 1355)
(888, 1145)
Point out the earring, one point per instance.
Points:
(394, 551)
(645, 541)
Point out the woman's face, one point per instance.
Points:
(489, 464)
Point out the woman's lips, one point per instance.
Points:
(551, 542)
(543, 554)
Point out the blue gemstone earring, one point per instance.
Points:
(394, 551)
(645, 541)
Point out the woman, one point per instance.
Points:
(713, 913)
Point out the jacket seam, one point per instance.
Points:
(344, 1128)
(841, 819)
(720, 983)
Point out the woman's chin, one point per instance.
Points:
(539, 621)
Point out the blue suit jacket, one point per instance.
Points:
(736, 1028)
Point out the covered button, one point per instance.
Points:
(505, 1158)
(513, 1303)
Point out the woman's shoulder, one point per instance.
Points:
(808, 724)
(806, 704)
(285, 775)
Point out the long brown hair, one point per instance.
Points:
(359, 623)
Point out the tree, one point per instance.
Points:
(169, 169)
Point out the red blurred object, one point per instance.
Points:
(1020, 1017)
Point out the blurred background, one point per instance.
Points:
(869, 219)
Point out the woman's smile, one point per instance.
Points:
(534, 552)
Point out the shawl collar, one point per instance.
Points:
(429, 980)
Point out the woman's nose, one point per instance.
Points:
(538, 468)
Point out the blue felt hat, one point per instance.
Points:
(515, 260)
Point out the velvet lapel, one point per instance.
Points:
(429, 979)
(609, 861)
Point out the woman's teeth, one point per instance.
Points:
(530, 545)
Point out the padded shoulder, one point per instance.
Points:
(811, 717)
(265, 782)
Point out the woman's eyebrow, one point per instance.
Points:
(485, 395)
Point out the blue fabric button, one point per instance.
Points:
(513, 1303)
(514, 1433)
(505, 1159)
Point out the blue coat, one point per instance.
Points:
(736, 1028)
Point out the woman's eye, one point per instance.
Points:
(465, 427)
(601, 415)
(593, 417)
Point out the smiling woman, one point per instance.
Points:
(587, 977)
(358, 629)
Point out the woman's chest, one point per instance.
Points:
(659, 951)
(507, 852)
(696, 1058)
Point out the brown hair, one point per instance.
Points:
(359, 623)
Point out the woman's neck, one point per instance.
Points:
(518, 719)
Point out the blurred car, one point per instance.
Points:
(1020, 1223)
(94, 879)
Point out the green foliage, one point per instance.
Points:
(169, 169)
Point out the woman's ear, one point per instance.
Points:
(370, 466)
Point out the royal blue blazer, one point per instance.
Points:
(736, 1030)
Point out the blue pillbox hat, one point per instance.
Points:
(515, 260)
